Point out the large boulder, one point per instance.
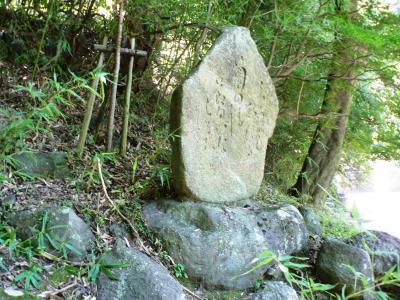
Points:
(275, 290)
(338, 263)
(216, 244)
(43, 164)
(142, 279)
(221, 119)
(63, 226)
(383, 248)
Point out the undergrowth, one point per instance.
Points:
(297, 274)
(39, 249)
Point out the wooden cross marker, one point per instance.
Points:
(130, 51)
(102, 48)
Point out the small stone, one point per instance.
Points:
(12, 294)
(275, 290)
(221, 119)
(334, 264)
(143, 279)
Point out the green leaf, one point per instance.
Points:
(109, 273)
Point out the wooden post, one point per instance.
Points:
(90, 103)
(125, 124)
(110, 129)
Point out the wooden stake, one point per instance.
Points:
(90, 103)
(110, 129)
(127, 103)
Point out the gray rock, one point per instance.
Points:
(43, 164)
(333, 263)
(216, 244)
(143, 279)
(221, 119)
(276, 290)
(383, 248)
(312, 221)
(63, 226)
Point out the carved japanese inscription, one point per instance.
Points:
(221, 119)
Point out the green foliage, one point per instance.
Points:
(179, 271)
(98, 265)
(337, 225)
(32, 249)
(375, 289)
(90, 173)
(30, 276)
(296, 40)
(295, 272)
(43, 107)
(8, 238)
(297, 275)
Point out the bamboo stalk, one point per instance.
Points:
(90, 103)
(127, 104)
(110, 129)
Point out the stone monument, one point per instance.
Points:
(221, 119)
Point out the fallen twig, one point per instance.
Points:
(52, 257)
(135, 232)
(50, 294)
(192, 293)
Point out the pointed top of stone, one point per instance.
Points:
(221, 118)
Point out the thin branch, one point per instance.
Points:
(52, 294)
(135, 232)
(317, 116)
(299, 98)
(203, 35)
(273, 47)
(190, 24)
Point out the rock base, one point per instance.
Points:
(217, 243)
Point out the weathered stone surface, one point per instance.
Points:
(143, 279)
(333, 261)
(275, 290)
(217, 243)
(43, 164)
(383, 248)
(63, 225)
(221, 119)
(312, 221)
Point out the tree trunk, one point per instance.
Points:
(324, 153)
